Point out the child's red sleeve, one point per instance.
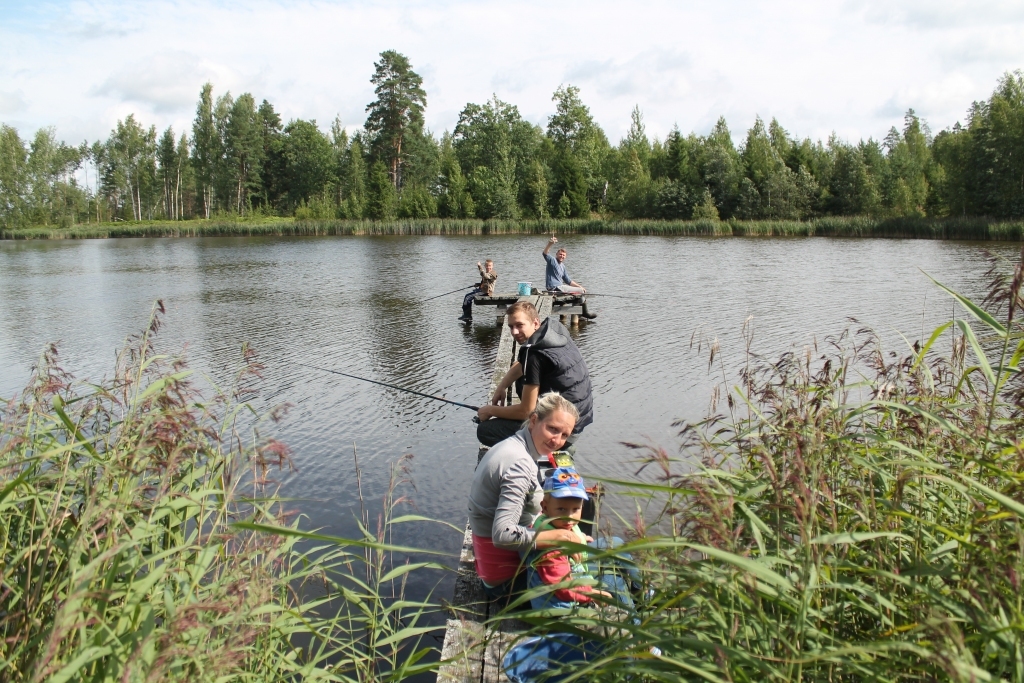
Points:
(553, 567)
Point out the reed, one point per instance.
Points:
(834, 226)
(141, 540)
(855, 515)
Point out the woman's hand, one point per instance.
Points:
(552, 537)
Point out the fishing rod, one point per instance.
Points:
(616, 296)
(392, 386)
(447, 293)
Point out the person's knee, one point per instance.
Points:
(490, 432)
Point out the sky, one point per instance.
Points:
(850, 67)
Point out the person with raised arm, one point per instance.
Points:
(557, 278)
(486, 288)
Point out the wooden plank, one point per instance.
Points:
(497, 644)
(543, 304)
(496, 300)
(468, 599)
(504, 359)
(463, 652)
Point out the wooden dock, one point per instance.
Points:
(568, 307)
(474, 643)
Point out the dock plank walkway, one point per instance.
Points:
(474, 644)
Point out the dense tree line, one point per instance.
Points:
(240, 159)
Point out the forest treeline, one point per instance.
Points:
(241, 159)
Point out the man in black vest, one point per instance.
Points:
(548, 360)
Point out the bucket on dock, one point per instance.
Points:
(524, 288)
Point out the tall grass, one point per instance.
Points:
(140, 539)
(838, 226)
(856, 515)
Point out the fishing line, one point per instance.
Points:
(460, 289)
(393, 386)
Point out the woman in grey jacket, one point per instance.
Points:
(506, 493)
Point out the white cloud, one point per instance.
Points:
(817, 67)
(929, 14)
(12, 103)
(950, 93)
(165, 83)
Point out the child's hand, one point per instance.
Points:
(479, 265)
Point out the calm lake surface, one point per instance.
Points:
(355, 304)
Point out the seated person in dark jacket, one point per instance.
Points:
(548, 360)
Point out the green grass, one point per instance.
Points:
(139, 541)
(913, 228)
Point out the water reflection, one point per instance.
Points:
(357, 305)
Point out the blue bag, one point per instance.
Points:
(532, 660)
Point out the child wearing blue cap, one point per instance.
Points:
(562, 508)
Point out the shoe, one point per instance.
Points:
(466, 318)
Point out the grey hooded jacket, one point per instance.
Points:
(506, 493)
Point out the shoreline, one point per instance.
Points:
(980, 229)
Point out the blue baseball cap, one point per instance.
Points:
(565, 482)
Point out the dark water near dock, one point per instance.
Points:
(354, 304)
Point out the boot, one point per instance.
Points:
(587, 314)
(467, 313)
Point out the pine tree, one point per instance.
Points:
(381, 196)
(353, 180)
(167, 153)
(273, 175)
(396, 113)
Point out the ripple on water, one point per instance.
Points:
(359, 305)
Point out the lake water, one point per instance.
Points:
(355, 304)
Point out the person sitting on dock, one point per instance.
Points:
(486, 288)
(548, 360)
(557, 278)
(562, 508)
(505, 496)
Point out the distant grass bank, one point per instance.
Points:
(912, 228)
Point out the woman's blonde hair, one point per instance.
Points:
(554, 401)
